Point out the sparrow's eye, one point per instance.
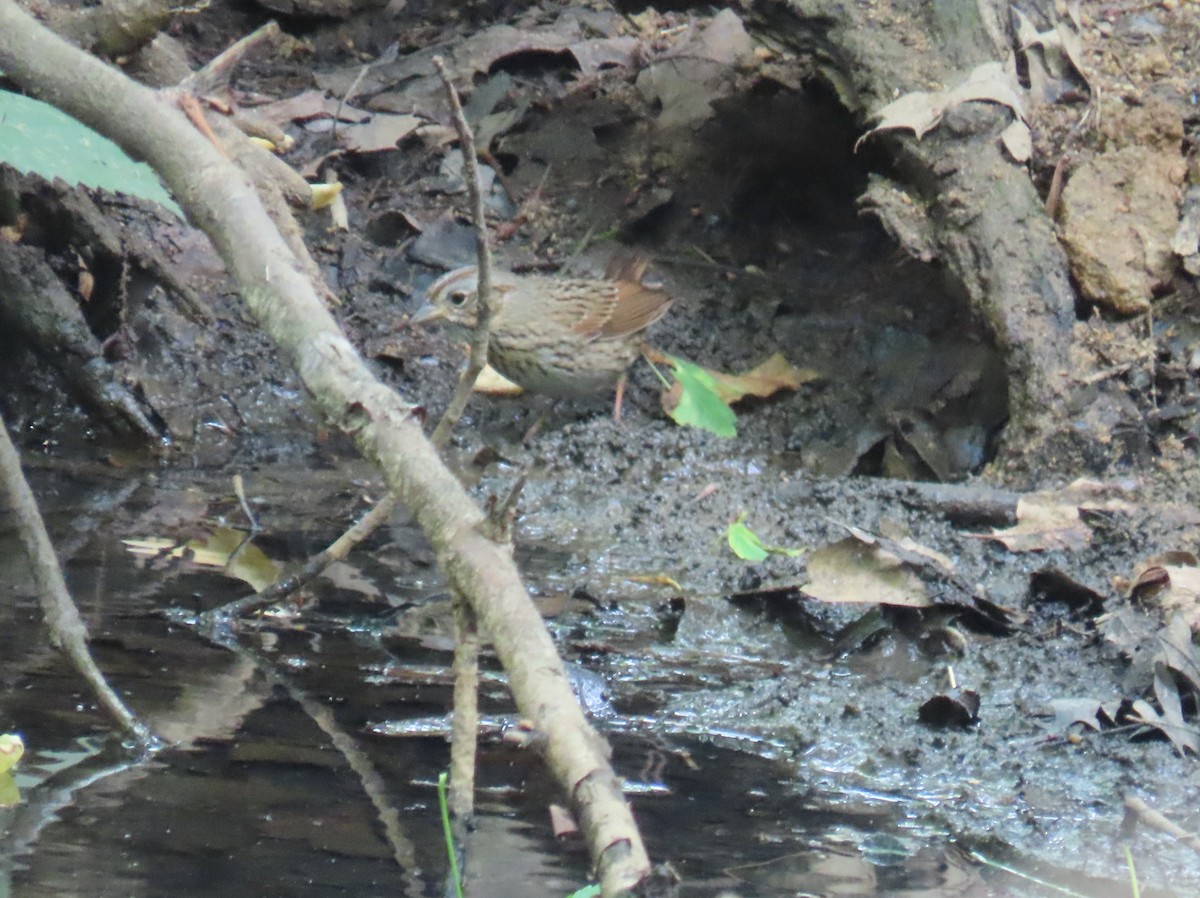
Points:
(459, 298)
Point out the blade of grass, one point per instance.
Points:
(450, 852)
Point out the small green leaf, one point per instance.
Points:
(746, 545)
(744, 541)
(36, 137)
(699, 404)
(12, 747)
(586, 892)
(10, 794)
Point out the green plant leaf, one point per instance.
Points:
(10, 794)
(694, 400)
(12, 747)
(36, 137)
(746, 544)
(744, 541)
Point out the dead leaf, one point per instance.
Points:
(1179, 652)
(1060, 56)
(724, 39)
(1055, 519)
(606, 53)
(350, 578)
(307, 106)
(763, 380)
(1088, 711)
(481, 51)
(1172, 590)
(224, 549)
(684, 81)
(1182, 735)
(921, 111)
(382, 132)
(853, 571)
(958, 708)
(1050, 584)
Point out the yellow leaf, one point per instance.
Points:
(773, 375)
(12, 747)
(323, 195)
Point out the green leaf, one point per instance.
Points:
(586, 892)
(36, 137)
(699, 404)
(10, 794)
(746, 545)
(744, 541)
(12, 747)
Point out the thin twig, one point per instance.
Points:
(314, 567)
(216, 72)
(498, 526)
(1159, 821)
(387, 56)
(1054, 194)
(479, 339)
(464, 736)
(239, 490)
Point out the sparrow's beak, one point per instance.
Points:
(426, 313)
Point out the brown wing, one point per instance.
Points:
(591, 308)
(627, 266)
(637, 307)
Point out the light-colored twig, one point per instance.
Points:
(314, 567)
(216, 72)
(1157, 820)
(483, 254)
(464, 725)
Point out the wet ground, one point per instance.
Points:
(771, 742)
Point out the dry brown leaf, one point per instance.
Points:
(921, 111)
(1061, 54)
(1054, 520)
(763, 380)
(1179, 591)
(1044, 522)
(382, 132)
(308, 105)
(853, 571)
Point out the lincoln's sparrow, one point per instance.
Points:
(552, 335)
